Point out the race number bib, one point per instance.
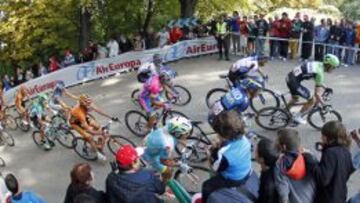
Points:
(217, 108)
(297, 71)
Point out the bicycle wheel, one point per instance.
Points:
(9, 122)
(318, 117)
(116, 141)
(266, 98)
(184, 95)
(8, 139)
(84, 149)
(192, 181)
(171, 114)
(37, 138)
(57, 121)
(65, 138)
(214, 95)
(135, 97)
(272, 118)
(21, 125)
(197, 153)
(136, 122)
(2, 162)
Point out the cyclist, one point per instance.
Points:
(160, 143)
(151, 97)
(157, 67)
(38, 117)
(247, 68)
(55, 102)
(82, 122)
(237, 98)
(307, 71)
(20, 97)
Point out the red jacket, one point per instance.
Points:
(244, 28)
(175, 35)
(274, 30)
(284, 28)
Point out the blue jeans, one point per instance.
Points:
(259, 46)
(349, 56)
(274, 48)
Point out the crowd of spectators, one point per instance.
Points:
(286, 34)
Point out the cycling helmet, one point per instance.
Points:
(42, 97)
(84, 98)
(251, 84)
(331, 60)
(179, 126)
(164, 78)
(60, 84)
(144, 75)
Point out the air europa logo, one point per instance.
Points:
(36, 89)
(200, 48)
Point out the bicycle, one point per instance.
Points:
(25, 127)
(8, 120)
(265, 98)
(136, 121)
(282, 117)
(183, 96)
(54, 132)
(113, 142)
(199, 143)
(6, 138)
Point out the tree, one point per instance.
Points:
(351, 9)
(187, 8)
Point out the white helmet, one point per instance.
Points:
(178, 126)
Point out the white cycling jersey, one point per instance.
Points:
(246, 63)
(148, 66)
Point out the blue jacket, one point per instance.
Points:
(321, 33)
(234, 25)
(350, 36)
(26, 197)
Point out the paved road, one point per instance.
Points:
(48, 172)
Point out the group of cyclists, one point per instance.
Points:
(245, 74)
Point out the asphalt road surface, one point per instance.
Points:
(47, 173)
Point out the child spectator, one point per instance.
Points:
(113, 47)
(335, 166)
(53, 64)
(69, 58)
(292, 182)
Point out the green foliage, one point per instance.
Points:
(351, 9)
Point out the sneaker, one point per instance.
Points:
(284, 59)
(25, 122)
(101, 156)
(46, 146)
(300, 120)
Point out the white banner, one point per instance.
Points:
(80, 73)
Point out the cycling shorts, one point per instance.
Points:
(78, 127)
(35, 120)
(296, 88)
(55, 104)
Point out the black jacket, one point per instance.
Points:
(308, 31)
(332, 173)
(138, 187)
(267, 190)
(73, 190)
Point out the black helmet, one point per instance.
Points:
(143, 76)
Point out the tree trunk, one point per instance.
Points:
(149, 14)
(187, 8)
(85, 25)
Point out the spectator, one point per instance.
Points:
(262, 28)
(81, 182)
(139, 43)
(53, 64)
(223, 38)
(349, 42)
(356, 161)
(29, 75)
(329, 25)
(267, 155)
(244, 34)
(12, 81)
(332, 38)
(252, 36)
(84, 198)
(235, 31)
(295, 36)
(42, 70)
(128, 183)
(17, 196)
(274, 32)
(190, 34)
(102, 52)
(357, 41)
(232, 158)
(321, 36)
(164, 36)
(150, 39)
(4, 192)
(335, 166)
(20, 76)
(7, 84)
(176, 34)
(81, 57)
(292, 182)
(69, 58)
(340, 39)
(125, 44)
(308, 30)
(92, 50)
(284, 33)
(113, 47)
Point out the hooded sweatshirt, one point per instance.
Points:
(292, 182)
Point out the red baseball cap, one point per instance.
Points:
(126, 155)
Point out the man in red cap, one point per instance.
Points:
(129, 183)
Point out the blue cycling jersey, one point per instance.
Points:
(235, 98)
